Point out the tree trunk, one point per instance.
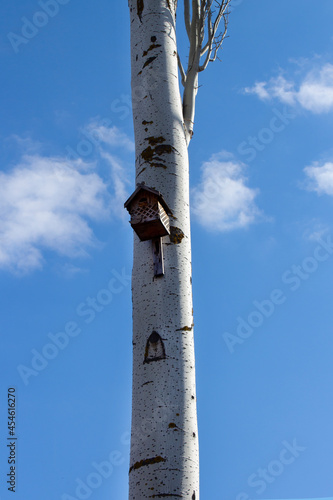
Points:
(164, 458)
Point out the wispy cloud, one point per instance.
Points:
(313, 92)
(24, 144)
(107, 135)
(320, 177)
(223, 201)
(49, 203)
(119, 183)
(107, 140)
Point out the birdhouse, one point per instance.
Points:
(149, 213)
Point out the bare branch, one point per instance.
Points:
(222, 13)
(182, 71)
(187, 17)
(210, 31)
(215, 41)
(219, 40)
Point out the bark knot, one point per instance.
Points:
(176, 235)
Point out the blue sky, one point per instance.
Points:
(262, 230)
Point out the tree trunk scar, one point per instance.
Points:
(140, 7)
(147, 461)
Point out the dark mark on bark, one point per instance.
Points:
(176, 235)
(152, 47)
(149, 154)
(142, 170)
(155, 149)
(185, 329)
(164, 149)
(140, 7)
(158, 165)
(163, 495)
(150, 382)
(147, 461)
(155, 140)
(149, 61)
(168, 2)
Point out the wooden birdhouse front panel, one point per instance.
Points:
(149, 218)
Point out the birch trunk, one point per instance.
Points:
(164, 459)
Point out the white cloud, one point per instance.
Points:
(320, 177)
(45, 204)
(48, 203)
(314, 92)
(119, 182)
(100, 132)
(223, 202)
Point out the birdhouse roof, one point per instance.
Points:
(141, 188)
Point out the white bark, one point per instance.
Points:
(164, 458)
